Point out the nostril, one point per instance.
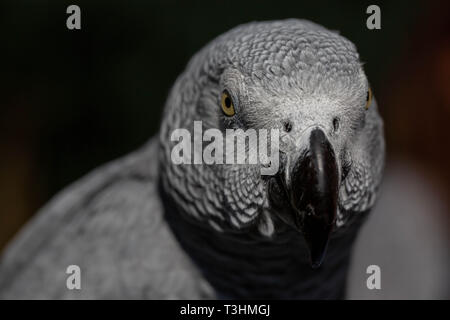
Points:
(287, 125)
(336, 124)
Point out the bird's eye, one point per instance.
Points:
(227, 104)
(368, 98)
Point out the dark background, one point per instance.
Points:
(73, 99)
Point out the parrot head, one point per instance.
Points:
(307, 83)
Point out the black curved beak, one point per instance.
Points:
(313, 192)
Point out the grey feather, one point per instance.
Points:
(110, 223)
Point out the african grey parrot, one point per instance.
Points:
(146, 227)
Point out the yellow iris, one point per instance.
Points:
(369, 98)
(227, 104)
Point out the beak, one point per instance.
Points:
(312, 188)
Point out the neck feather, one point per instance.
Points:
(248, 265)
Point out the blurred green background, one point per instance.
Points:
(73, 99)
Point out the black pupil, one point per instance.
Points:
(367, 97)
(227, 102)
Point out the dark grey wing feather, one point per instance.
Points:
(111, 225)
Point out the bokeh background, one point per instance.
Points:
(72, 100)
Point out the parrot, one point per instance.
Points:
(145, 227)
